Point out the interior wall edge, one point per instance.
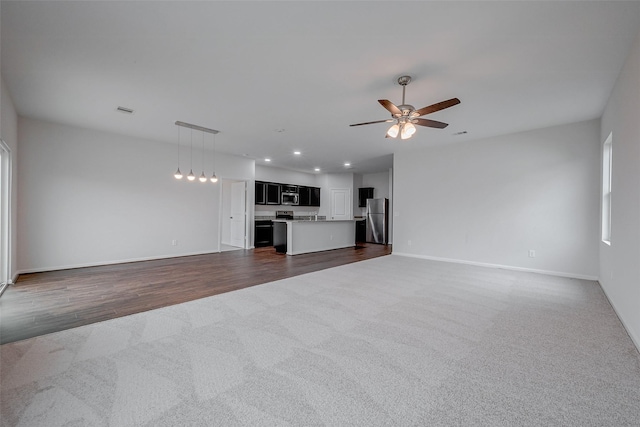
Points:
(627, 328)
(500, 266)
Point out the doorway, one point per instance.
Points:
(233, 218)
(5, 215)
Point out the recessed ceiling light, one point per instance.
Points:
(125, 110)
(297, 153)
(267, 159)
(317, 169)
(347, 164)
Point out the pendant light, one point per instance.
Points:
(178, 174)
(214, 178)
(191, 176)
(202, 178)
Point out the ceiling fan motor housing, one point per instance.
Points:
(404, 80)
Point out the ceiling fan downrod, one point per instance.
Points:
(404, 81)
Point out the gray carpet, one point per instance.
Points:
(392, 341)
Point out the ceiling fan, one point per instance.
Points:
(404, 116)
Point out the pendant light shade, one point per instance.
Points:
(393, 131)
(407, 131)
(214, 178)
(203, 178)
(191, 176)
(178, 174)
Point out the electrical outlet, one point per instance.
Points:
(174, 242)
(532, 253)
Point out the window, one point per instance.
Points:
(607, 157)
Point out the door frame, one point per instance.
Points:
(221, 209)
(5, 216)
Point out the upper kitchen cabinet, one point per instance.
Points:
(364, 194)
(309, 196)
(273, 193)
(261, 196)
(305, 196)
(267, 193)
(314, 196)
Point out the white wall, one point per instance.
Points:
(490, 201)
(379, 181)
(9, 134)
(619, 263)
(89, 197)
(284, 176)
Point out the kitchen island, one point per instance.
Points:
(295, 237)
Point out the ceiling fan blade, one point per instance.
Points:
(439, 106)
(390, 106)
(430, 123)
(370, 123)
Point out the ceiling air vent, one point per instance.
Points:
(125, 110)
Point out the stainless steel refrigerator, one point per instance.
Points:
(377, 221)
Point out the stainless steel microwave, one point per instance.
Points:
(289, 199)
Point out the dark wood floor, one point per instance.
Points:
(41, 303)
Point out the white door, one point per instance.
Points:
(238, 214)
(341, 204)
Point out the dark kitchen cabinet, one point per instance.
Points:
(305, 196)
(273, 193)
(361, 231)
(314, 196)
(309, 196)
(261, 195)
(364, 194)
(269, 193)
(263, 235)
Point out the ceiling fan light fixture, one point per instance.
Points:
(393, 131)
(408, 129)
(405, 116)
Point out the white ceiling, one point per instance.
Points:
(251, 69)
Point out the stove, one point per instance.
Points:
(284, 214)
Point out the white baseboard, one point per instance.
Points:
(97, 264)
(504, 267)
